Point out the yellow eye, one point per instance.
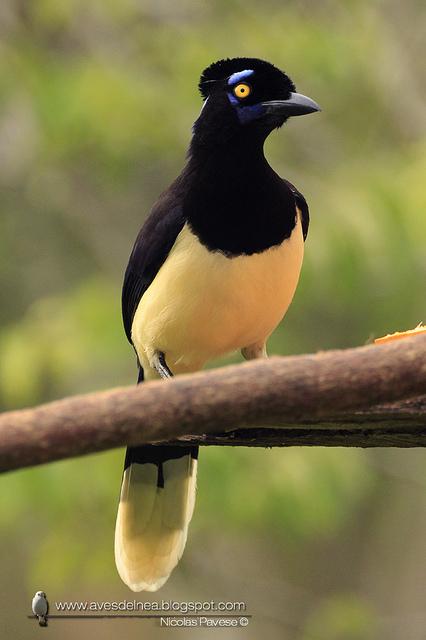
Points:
(242, 90)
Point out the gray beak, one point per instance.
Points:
(296, 105)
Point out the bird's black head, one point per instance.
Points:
(249, 96)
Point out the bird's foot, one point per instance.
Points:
(254, 351)
(160, 365)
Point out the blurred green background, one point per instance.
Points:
(97, 98)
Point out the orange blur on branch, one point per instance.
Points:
(401, 334)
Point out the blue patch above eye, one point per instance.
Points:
(239, 75)
(245, 113)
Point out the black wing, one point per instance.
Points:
(152, 246)
(302, 205)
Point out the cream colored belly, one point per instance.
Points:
(202, 305)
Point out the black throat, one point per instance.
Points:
(233, 200)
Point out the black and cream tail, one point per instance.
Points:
(156, 505)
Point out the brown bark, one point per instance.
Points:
(330, 398)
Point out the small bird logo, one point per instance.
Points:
(40, 607)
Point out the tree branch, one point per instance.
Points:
(338, 398)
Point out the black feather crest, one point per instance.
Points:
(222, 69)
